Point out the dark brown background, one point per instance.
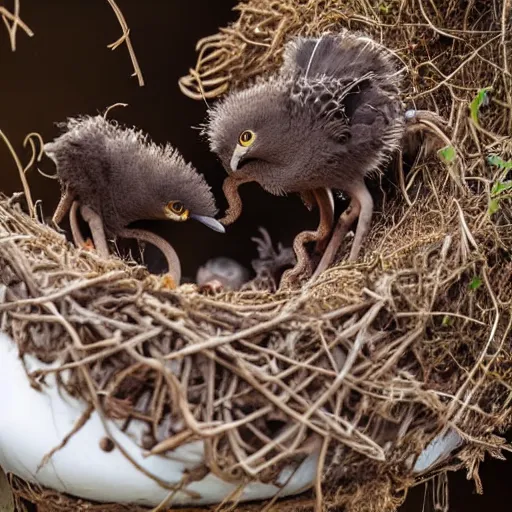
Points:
(66, 69)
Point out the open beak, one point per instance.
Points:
(210, 222)
(238, 154)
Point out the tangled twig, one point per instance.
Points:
(125, 38)
(16, 22)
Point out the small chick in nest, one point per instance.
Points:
(329, 118)
(221, 274)
(117, 176)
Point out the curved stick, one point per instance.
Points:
(323, 198)
(173, 261)
(230, 189)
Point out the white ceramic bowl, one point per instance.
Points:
(32, 423)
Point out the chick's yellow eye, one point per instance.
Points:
(246, 138)
(176, 207)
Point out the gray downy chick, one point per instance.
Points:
(118, 176)
(222, 273)
(329, 118)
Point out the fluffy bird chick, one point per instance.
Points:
(222, 273)
(118, 176)
(330, 117)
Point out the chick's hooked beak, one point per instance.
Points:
(238, 155)
(209, 221)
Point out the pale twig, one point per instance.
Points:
(16, 22)
(26, 188)
(125, 38)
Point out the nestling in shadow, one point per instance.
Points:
(328, 119)
(118, 176)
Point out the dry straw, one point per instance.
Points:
(365, 365)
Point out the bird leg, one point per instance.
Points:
(365, 200)
(325, 204)
(303, 265)
(75, 228)
(65, 202)
(360, 206)
(230, 189)
(97, 231)
(308, 199)
(173, 261)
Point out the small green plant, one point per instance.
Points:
(447, 321)
(480, 100)
(499, 162)
(475, 283)
(447, 154)
(502, 188)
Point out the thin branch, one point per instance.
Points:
(125, 38)
(16, 22)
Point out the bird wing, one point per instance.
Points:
(327, 99)
(347, 54)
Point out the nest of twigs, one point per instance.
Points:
(367, 364)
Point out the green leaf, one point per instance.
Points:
(384, 8)
(501, 186)
(480, 99)
(447, 321)
(499, 162)
(494, 206)
(475, 283)
(447, 154)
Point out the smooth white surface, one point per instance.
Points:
(32, 423)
